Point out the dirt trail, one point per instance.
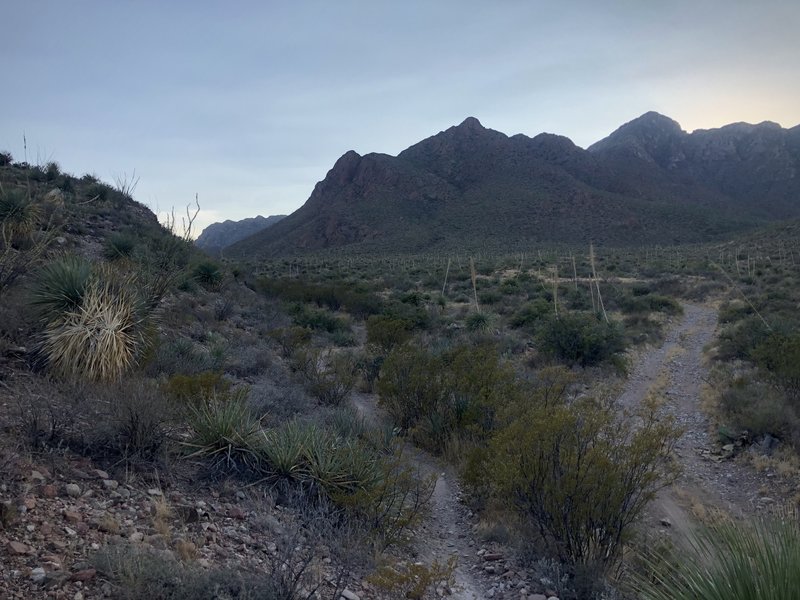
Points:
(447, 532)
(677, 371)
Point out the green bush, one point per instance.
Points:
(779, 355)
(385, 332)
(576, 470)
(319, 319)
(530, 314)
(195, 388)
(478, 321)
(438, 396)
(208, 274)
(580, 338)
(119, 246)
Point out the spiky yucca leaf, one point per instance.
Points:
(225, 430)
(98, 340)
(18, 214)
(751, 560)
(285, 449)
(60, 286)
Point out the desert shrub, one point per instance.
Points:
(478, 321)
(757, 409)
(118, 246)
(329, 377)
(645, 302)
(352, 299)
(779, 355)
(225, 432)
(580, 338)
(531, 313)
(290, 339)
(318, 319)
(436, 396)
(741, 560)
(202, 386)
(131, 421)
(179, 355)
(580, 473)
(208, 274)
(145, 573)
(385, 332)
(739, 339)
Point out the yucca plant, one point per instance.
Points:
(99, 339)
(225, 431)
(18, 214)
(751, 560)
(60, 286)
(285, 449)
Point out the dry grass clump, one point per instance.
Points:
(100, 339)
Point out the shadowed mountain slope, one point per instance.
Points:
(472, 187)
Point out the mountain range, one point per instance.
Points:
(218, 236)
(649, 182)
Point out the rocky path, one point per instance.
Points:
(710, 480)
(447, 532)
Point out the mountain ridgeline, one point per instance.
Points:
(219, 236)
(649, 182)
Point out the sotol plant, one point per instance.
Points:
(95, 324)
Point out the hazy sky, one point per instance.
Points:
(249, 104)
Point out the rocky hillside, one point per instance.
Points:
(469, 186)
(217, 236)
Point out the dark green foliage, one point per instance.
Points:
(438, 396)
(580, 338)
(60, 286)
(739, 339)
(530, 314)
(779, 355)
(385, 332)
(6, 159)
(478, 321)
(320, 319)
(119, 246)
(350, 298)
(18, 213)
(575, 470)
(208, 274)
(753, 559)
(756, 409)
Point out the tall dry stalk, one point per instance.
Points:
(446, 273)
(474, 278)
(596, 282)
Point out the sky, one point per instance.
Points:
(249, 104)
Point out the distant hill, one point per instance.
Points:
(649, 182)
(217, 236)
